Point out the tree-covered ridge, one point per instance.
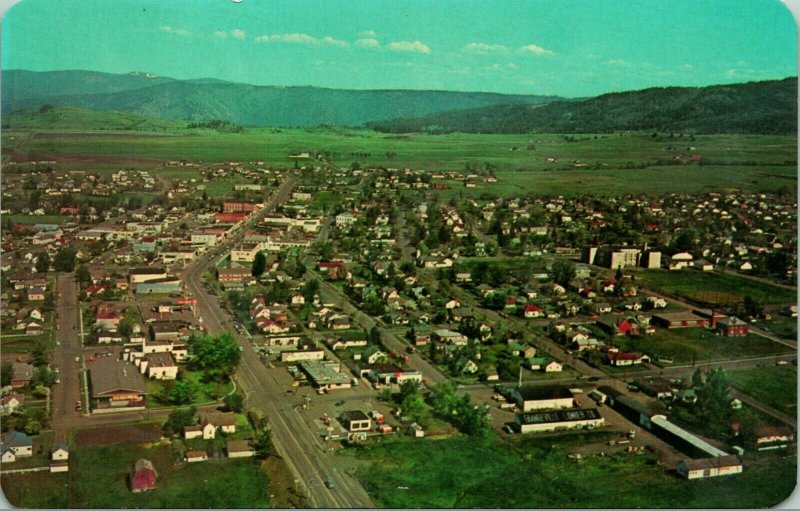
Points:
(757, 107)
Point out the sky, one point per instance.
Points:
(571, 48)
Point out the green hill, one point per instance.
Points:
(756, 107)
(242, 104)
(78, 119)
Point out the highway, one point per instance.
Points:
(292, 438)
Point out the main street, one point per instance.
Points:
(68, 348)
(293, 440)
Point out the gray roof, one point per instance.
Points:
(21, 371)
(109, 374)
(535, 393)
(354, 415)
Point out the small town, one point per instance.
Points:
(507, 256)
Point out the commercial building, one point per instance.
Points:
(542, 397)
(116, 384)
(579, 418)
(325, 375)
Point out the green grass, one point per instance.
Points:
(67, 118)
(535, 472)
(24, 343)
(682, 345)
(517, 171)
(207, 392)
(37, 219)
(775, 386)
(98, 479)
(687, 282)
(781, 325)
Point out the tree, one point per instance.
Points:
(182, 392)
(6, 373)
(65, 260)
(43, 376)
(178, 420)
(82, 274)
(217, 356)
(32, 426)
(262, 442)
(751, 307)
(259, 264)
(413, 405)
(234, 402)
(310, 289)
(408, 388)
(563, 272)
(714, 397)
(42, 262)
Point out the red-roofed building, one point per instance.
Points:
(532, 311)
(230, 217)
(143, 477)
(69, 210)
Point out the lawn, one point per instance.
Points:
(689, 282)
(98, 479)
(775, 386)
(24, 343)
(534, 472)
(781, 325)
(208, 392)
(684, 345)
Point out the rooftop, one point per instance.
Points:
(109, 374)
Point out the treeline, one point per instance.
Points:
(768, 107)
(216, 124)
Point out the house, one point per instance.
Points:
(449, 337)
(160, 366)
(19, 443)
(532, 311)
(703, 265)
(143, 476)
(709, 467)
(60, 452)
(626, 358)
(602, 308)
(355, 420)
(21, 374)
(11, 402)
(733, 327)
(372, 354)
(452, 304)
(617, 325)
(7, 455)
(195, 456)
(36, 294)
(205, 431)
(467, 366)
(239, 449)
(550, 397)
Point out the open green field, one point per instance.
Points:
(775, 386)
(783, 325)
(684, 345)
(534, 472)
(36, 219)
(98, 478)
(688, 283)
(732, 162)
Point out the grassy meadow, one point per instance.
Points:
(535, 472)
(634, 163)
(689, 282)
(775, 386)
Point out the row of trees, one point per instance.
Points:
(64, 261)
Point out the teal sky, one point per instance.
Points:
(564, 47)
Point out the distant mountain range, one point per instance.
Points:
(247, 105)
(756, 107)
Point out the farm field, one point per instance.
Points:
(729, 288)
(685, 345)
(775, 386)
(731, 162)
(98, 479)
(466, 472)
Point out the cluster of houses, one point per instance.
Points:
(16, 446)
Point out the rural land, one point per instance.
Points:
(403, 299)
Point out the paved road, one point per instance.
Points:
(68, 346)
(293, 440)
